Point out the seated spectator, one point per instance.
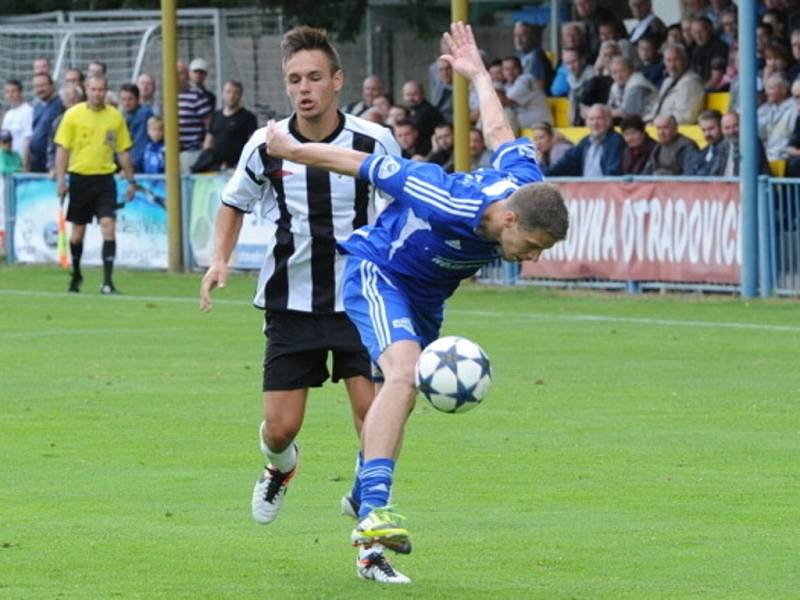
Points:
(371, 88)
(147, 92)
(136, 116)
(550, 147)
(443, 97)
(579, 76)
(407, 135)
(686, 33)
(614, 31)
(715, 12)
(794, 70)
(10, 161)
(382, 103)
(70, 95)
(652, 62)
(779, 22)
(47, 108)
(230, 128)
(597, 88)
(711, 160)
(707, 47)
(496, 73)
(681, 95)
(776, 117)
(793, 145)
(631, 92)
(776, 60)
(763, 37)
(647, 24)
(479, 154)
(598, 154)
(424, 115)
(442, 147)
(674, 35)
(674, 153)
(591, 15)
(18, 118)
(729, 25)
(638, 145)
(396, 114)
(730, 130)
(528, 44)
(523, 95)
(572, 38)
(153, 159)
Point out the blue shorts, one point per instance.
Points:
(382, 311)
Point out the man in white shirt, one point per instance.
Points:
(18, 118)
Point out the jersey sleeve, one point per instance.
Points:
(64, 133)
(248, 184)
(124, 142)
(517, 158)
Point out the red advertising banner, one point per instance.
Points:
(647, 231)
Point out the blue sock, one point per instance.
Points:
(376, 484)
(355, 492)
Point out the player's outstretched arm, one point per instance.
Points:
(466, 60)
(323, 156)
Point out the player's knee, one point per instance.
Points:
(280, 434)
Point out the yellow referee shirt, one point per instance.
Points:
(92, 137)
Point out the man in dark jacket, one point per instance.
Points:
(674, 153)
(596, 155)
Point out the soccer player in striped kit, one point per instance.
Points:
(300, 282)
(438, 230)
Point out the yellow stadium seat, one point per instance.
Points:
(720, 101)
(551, 56)
(574, 134)
(777, 168)
(693, 132)
(560, 109)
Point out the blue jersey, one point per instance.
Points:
(426, 238)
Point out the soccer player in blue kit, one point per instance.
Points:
(438, 230)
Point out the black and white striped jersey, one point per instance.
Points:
(311, 210)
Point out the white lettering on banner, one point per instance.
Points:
(628, 231)
(610, 234)
(695, 229)
(728, 237)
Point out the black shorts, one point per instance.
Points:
(90, 196)
(297, 350)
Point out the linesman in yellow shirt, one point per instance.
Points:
(89, 135)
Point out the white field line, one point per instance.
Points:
(455, 312)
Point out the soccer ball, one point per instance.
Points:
(453, 374)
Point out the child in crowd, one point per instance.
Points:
(10, 161)
(153, 157)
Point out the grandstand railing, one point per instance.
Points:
(29, 232)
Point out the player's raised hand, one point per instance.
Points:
(279, 144)
(215, 277)
(463, 56)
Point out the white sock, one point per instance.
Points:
(364, 552)
(284, 461)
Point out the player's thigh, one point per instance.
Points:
(293, 359)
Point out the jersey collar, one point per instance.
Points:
(333, 135)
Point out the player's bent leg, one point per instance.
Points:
(284, 412)
(371, 564)
(362, 392)
(382, 526)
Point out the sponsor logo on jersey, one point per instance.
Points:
(453, 244)
(389, 167)
(527, 152)
(279, 173)
(404, 323)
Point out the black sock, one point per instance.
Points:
(76, 250)
(109, 251)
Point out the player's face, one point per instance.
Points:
(310, 84)
(518, 244)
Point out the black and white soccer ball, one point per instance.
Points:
(454, 374)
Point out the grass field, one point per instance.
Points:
(632, 447)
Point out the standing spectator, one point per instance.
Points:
(674, 152)
(371, 88)
(710, 161)
(194, 115)
(136, 116)
(74, 77)
(776, 117)
(229, 131)
(198, 71)
(10, 161)
(18, 119)
(153, 159)
(550, 146)
(443, 92)
(638, 145)
(579, 76)
(681, 95)
(47, 108)
(41, 66)
(147, 92)
(647, 24)
(598, 154)
(301, 278)
(424, 115)
(523, 95)
(730, 130)
(382, 104)
(707, 47)
(89, 135)
(70, 94)
(631, 92)
(652, 62)
(528, 44)
(479, 155)
(572, 38)
(407, 136)
(96, 67)
(396, 114)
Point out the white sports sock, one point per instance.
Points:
(283, 461)
(364, 552)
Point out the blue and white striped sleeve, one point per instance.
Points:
(517, 158)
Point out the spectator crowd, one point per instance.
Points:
(633, 85)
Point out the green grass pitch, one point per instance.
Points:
(632, 447)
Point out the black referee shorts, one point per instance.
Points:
(90, 196)
(298, 345)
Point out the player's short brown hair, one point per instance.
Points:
(310, 38)
(541, 206)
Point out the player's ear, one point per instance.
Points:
(510, 218)
(338, 80)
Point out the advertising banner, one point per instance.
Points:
(648, 231)
(141, 225)
(205, 201)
